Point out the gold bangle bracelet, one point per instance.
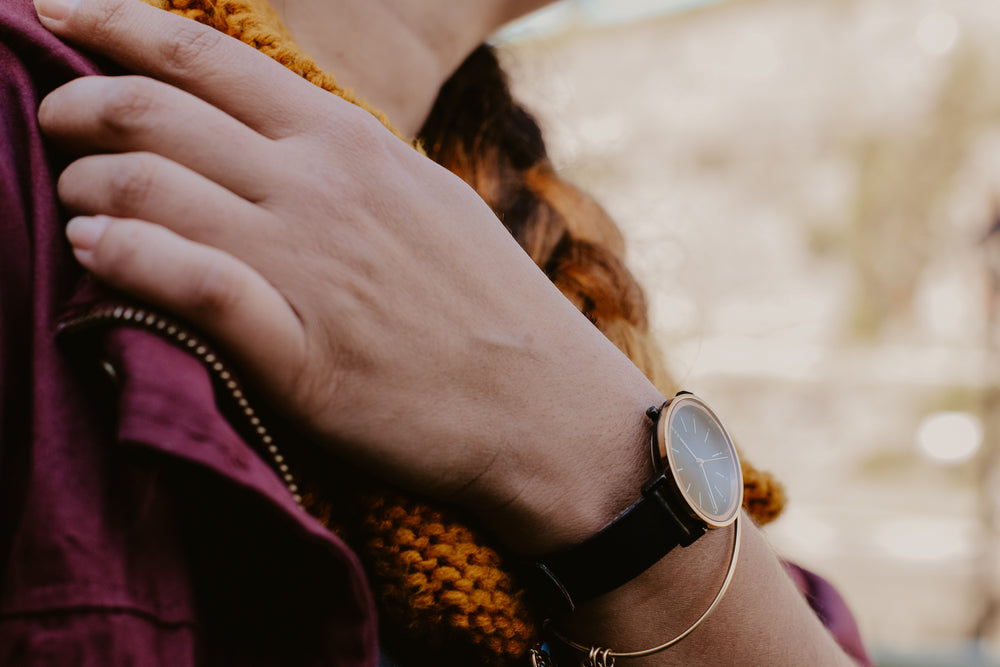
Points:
(600, 657)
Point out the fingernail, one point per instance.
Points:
(84, 232)
(53, 9)
(85, 257)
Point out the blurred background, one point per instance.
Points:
(810, 192)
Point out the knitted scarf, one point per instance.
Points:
(444, 594)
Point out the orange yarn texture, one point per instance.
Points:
(255, 22)
(444, 594)
(436, 573)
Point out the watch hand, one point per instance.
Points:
(709, 484)
(718, 458)
(684, 443)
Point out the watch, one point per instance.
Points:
(697, 486)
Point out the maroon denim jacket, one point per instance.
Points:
(136, 526)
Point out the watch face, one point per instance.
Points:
(696, 448)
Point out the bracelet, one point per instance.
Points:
(605, 657)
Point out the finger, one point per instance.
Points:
(132, 113)
(223, 71)
(222, 296)
(152, 188)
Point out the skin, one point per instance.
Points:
(361, 294)
(406, 50)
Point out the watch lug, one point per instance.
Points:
(660, 491)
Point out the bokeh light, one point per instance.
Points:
(950, 437)
(937, 33)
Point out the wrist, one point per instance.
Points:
(660, 603)
(574, 489)
(762, 620)
(697, 488)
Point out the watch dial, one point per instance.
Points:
(703, 460)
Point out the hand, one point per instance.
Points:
(378, 301)
(369, 292)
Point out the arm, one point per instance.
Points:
(358, 284)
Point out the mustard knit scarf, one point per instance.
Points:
(443, 594)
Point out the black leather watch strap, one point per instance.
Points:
(639, 537)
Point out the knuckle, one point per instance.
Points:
(365, 129)
(213, 289)
(128, 103)
(107, 21)
(361, 141)
(130, 180)
(191, 45)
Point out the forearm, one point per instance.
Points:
(762, 620)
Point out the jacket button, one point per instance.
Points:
(110, 371)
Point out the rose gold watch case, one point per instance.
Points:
(663, 459)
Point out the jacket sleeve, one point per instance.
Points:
(832, 610)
